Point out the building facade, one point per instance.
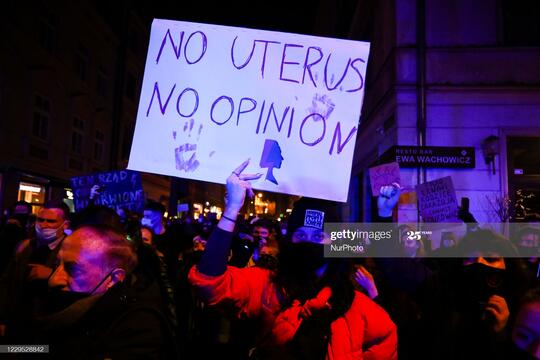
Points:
(457, 74)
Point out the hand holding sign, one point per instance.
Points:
(383, 175)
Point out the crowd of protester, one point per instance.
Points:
(101, 284)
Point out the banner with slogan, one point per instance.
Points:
(118, 189)
(437, 201)
(214, 96)
(383, 175)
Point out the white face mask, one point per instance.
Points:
(47, 235)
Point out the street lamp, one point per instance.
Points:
(490, 148)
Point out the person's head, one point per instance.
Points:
(147, 235)
(153, 216)
(412, 246)
(20, 214)
(486, 248)
(448, 240)
(528, 241)
(261, 229)
(526, 331)
(302, 252)
(92, 260)
(51, 221)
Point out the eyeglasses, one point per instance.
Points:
(50, 221)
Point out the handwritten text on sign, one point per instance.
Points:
(437, 200)
(213, 96)
(383, 175)
(118, 189)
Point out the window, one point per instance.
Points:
(99, 145)
(77, 136)
(40, 121)
(521, 22)
(131, 85)
(81, 63)
(102, 81)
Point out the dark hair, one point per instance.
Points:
(155, 206)
(267, 224)
(98, 215)
(22, 203)
(54, 204)
(485, 241)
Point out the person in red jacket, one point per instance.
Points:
(308, 308)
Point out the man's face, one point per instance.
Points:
(529, 241)
(448, 243)
(147, 236)
(260, 232)
(526, 334)
(81, 265)
(52, 219)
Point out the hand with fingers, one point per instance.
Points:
(497, 312)
(364, 278)
(237, 186)
(388, 198)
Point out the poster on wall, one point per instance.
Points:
(214, 96)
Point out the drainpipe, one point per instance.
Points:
(421, 82)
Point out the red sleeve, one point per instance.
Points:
(242, 288)
(380, 336)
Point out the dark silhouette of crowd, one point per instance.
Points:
(103, 283)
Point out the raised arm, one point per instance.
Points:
(214, 259)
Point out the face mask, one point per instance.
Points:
(48, 234)
(299, 264)
(481, 282)
(58, 300)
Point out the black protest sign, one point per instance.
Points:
(118, 189)
(437, 200)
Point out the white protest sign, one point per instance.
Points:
(214, 96)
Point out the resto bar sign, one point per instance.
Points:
(431, 156)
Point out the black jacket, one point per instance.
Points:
(118, 325)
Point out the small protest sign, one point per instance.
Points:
(437, 201)
(383, 175)
(118, 189)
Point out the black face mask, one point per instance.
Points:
(298, 264)
(57, 300)
(481, 282)
(305, 256)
